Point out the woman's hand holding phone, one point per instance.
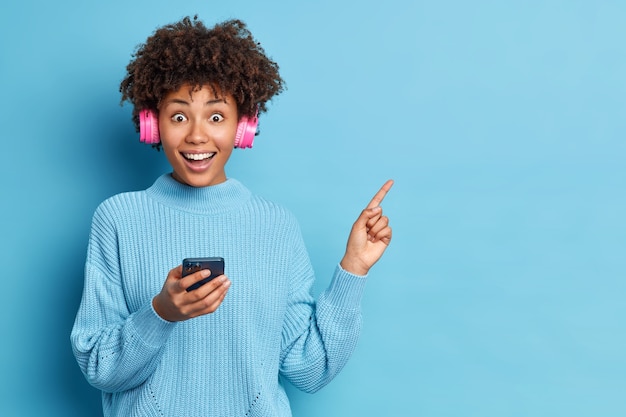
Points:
(175, 303)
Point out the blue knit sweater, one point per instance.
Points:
(231, 362)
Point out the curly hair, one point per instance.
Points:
(226, 58)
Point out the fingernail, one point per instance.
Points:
(227, 284)
(205, 273)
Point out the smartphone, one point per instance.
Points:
(214, 264)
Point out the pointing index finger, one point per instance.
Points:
(380, 195)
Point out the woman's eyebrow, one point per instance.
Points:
(186, 103)
(214, 101)
(176, 101)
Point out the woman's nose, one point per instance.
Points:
(197, 133)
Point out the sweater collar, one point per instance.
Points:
(227, 196)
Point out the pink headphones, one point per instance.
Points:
(149, 129)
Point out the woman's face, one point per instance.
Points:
(198, 134)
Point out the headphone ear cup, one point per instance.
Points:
(149, 127)
(246, 130)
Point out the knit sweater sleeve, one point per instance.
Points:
(319, 338)
(115, 348)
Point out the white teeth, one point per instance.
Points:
(198, 156)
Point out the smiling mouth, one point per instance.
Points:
(198, 156)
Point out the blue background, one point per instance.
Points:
(502, 122)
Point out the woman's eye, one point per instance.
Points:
(216, 118)
(179, 117)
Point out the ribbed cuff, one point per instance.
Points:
(345, 289)
(150, 327)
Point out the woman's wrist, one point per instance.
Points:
(353, 266)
